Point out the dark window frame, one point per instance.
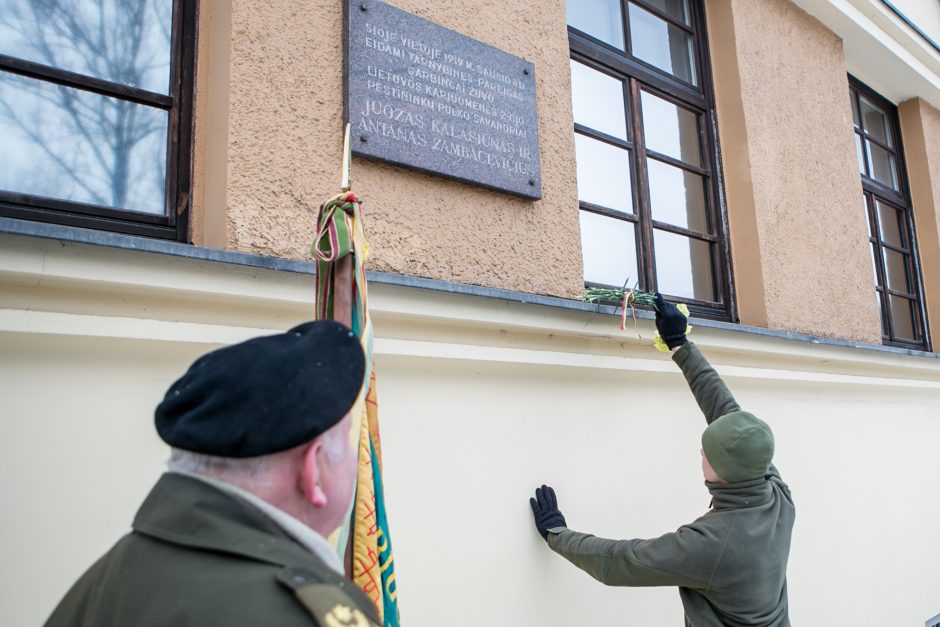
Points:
(899, 200)
(700, 99)
(173, 224)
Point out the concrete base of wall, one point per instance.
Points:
(480, 396)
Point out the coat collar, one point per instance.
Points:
(187, 511)
(741, 495)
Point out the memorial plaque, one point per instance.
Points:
(423, 96)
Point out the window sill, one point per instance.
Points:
(131, 243)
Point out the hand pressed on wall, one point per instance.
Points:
(545, 510)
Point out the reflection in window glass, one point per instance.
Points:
(670, 130)
(860, 155)
(133, 49)
(661, 44)
(874, 263)
(677, 196)
(598, 18)
(896, 270)
(676, 9)
(74, 145)
(854, 111)
(881, 312)
(683, 266)
(603, 174)
(903, 315)
(876, 122)
(597, 100)
(881, 165)
(865, 209)
(889, 221)
(609, 248)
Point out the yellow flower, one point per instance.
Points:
(658, 342)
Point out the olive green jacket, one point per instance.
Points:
(730, 564)
(198, 556)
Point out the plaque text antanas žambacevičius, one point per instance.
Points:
(423, 96)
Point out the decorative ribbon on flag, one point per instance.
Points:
(341, 250)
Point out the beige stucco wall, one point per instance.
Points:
(480, 401)
(798, 236)
(268, 144)
(284, 143)
(920, 127)
(208, 223)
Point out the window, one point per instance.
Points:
(885, 200)
(645, 150)
(95, 113)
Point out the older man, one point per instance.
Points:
(262, 469)
(730, 564)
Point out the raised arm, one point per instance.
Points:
(711, 393)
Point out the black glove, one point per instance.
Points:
(670, 322)
(545, 509)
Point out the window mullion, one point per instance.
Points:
(627, 66)
(625, 21)
(645, 250)
(665, 17)
(600, 136)
(74, 80)
(881, 273)
(179, 162)
(682, 165)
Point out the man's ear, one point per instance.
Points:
(310, 475)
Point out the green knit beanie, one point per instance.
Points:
(739, 446)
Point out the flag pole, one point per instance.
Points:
(345, 184)
(341, 251)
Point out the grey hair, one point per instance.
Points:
(201, 464)
(248, 467)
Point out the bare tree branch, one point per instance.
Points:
(106, 39)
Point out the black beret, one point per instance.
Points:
(264, 395)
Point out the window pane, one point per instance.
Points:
(670, 130)
(124, 41)
(683, 266)
(874, 264)
(881, 314)
(609, 249)
(882, 166)
(677, 196)
(865, 211)
(603, 174)
(896, 270)
(876, 122)
(904, 315)
(889, 221)
(860, 155)
(676, 9)
(78, 146)
(854, 108)
(597, 100)
(598, 18)
(661, 44)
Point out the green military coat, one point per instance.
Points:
(730, 565)
(198, 556)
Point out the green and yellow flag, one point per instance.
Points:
(341, 250)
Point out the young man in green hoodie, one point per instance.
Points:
(730, 564)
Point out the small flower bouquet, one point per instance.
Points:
(629, 298)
